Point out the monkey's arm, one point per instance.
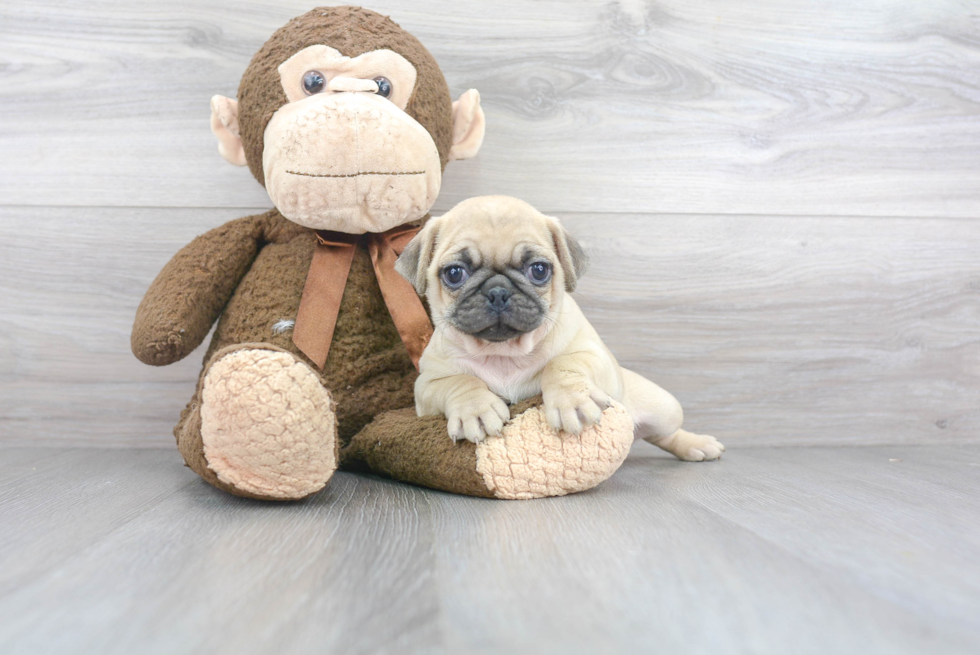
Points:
(189, 293)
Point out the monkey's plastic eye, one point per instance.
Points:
(384, 86)
(538, 272)
(454, 275)
(314, 82)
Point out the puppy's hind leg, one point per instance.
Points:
(658, 418)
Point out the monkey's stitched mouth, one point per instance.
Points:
(357, 174)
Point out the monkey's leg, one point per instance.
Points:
(658, 418)
(261, 425)
(528, 460)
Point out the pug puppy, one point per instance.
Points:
(497, 275)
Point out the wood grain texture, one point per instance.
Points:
(773, 107)
(803, 550)
(779, 330)
(832, 327)
(770, 330)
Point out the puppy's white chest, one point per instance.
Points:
(505, 376)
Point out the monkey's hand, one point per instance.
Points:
(574, 403)
(475, 414)
(189, 293)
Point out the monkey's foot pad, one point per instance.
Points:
(268, 425)
(531, 460)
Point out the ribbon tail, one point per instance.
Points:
(320, 304)
(406, 309)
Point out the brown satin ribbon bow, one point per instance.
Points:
(320, 304)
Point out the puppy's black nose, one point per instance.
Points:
(498, 297)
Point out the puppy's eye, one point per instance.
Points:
(538, 272)
(314, 82)
(454, 275)
(384, 86)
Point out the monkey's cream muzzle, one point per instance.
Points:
(349, 161)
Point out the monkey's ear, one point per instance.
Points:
(224, 124)
(413, 263)
(469, 125)
(571, 256)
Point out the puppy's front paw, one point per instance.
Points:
(476, 415)
(574, 406)
(691, 447)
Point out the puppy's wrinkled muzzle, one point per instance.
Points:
(497, 311)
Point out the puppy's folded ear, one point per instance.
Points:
(413, 263)
(571, 256)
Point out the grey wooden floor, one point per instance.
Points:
(771, 550)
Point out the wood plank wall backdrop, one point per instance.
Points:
(782, 197)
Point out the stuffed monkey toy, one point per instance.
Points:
(347, 121)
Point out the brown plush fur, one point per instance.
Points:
(368, 370)
(429, 458)
(353, 31)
